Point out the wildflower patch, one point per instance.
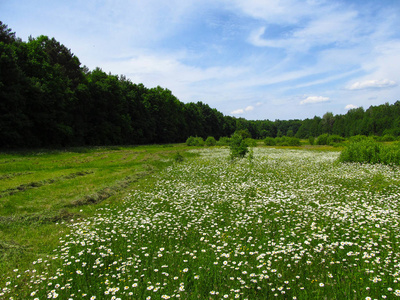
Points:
(290, 224)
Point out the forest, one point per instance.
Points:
(49, 99)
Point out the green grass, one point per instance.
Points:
(41, 189)
(288, 224)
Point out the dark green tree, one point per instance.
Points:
(14, 123)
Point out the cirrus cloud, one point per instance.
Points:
(372, 84)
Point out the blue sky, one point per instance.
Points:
(257, 59)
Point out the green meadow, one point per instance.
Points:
(149, 223)
(39, 190)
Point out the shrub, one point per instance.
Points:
(178, 157)
(364, 151)
(294, 141)
(287, 141)
(390, 154)
(195, 141)
(281, 141)
(387, 138)
(311, 140)
(334, 139)
(323, 139)
(251, 142)
(269, 141)
(190, 141)
(210, 141)
(357, 138)
(238, 146)
(199, 141)
(370, 151)
(244, 133)
(224, 141)
(375, 137)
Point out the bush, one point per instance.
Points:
(210, 141)
(238, 146)
(287, 141)
(375, 137)
(199, 141)
(251, 142)
(178, 157)
(323, 139)
(244, 133)
(311, 140)
(269, 141)
(390, 154)
(281, 141)
(387, 138)
(195, 141)
(357, 138)
(334, 139)
(190, 141)
(294, 141)
(367, 150)
(224, 141)
(364, 151)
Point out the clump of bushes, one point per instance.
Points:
(287, 141)
(331, 140)
(195, 141)
(357, 138)
(269, 141)
(367, 150)
(282, 141)
(322, 139)
(210, 141)
(335, 139)
(224, 141)
(251, 142)
(387, 138)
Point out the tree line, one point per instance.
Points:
(48, 99)
(377, 120)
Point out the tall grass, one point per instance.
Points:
(368, 150)
(288, 225)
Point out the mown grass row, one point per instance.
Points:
(41, 189)
(286, 224)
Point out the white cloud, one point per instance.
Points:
(330, 48)
(368, 84)
(187, 82)
(241, 111)
(350, 106)
(314, 99)
(238, 112)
